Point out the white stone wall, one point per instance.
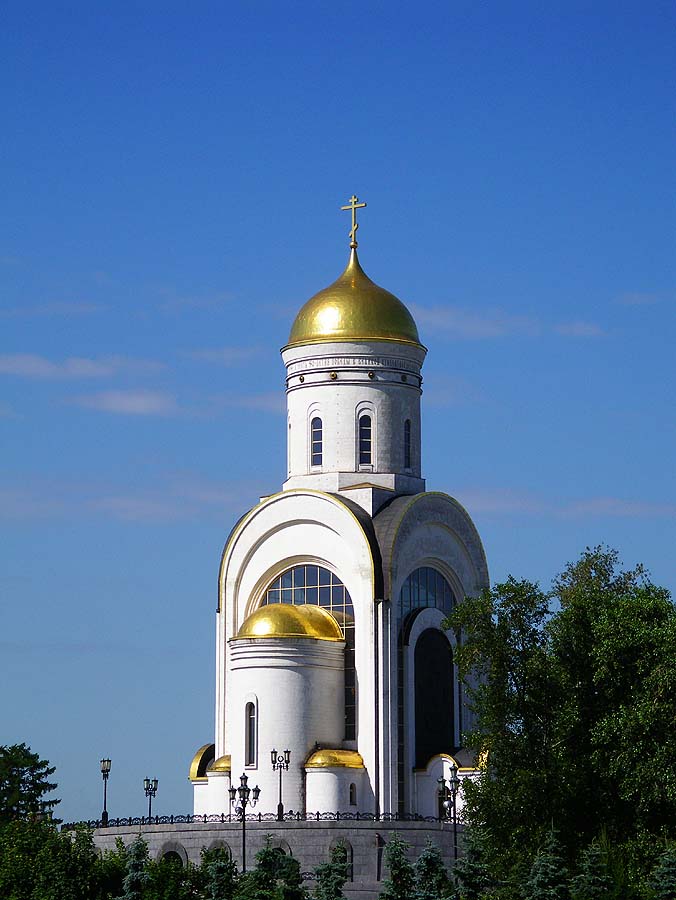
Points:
(328, 789)
(297, 687)
(339, 381)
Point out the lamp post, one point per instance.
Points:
(105, 772)
(449, 792)
(150, 787)
(280, 761)
(246, 796)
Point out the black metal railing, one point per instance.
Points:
(223, 818)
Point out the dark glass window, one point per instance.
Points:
(434, 699)
(365, 440)
(319, 586)
(424, 587)
(407, 444)
(353, 794)
(250, 735)
(316, 442)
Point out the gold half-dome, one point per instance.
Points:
(283, 620)
(222, 764)
(353, 308)
(326, 758)
(200, 762)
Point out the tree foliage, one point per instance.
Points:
(575, 711)
(548, 878)
(23, 784)
(219, 873)
(431, 877)
(137, 875)
(331, 876)
(470, 871)
(663, 879)
(594, 880)
(400, 882)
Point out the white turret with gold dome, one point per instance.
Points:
(353, 383)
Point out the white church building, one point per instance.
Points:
(332, 592)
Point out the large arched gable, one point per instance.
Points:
(288, 528)
(427, 528)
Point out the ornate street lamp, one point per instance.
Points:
(105, 772)
(150, 787)
(247, 797)
(448, 791)
(280, 761)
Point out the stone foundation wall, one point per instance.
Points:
(308, 842)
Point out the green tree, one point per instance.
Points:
(66, 867)
(137, 876)
(23, 784)
(400, 884)
(169, 879)
(276, 876)
(594, 881)
(20, 844)
(573, 687)
(431, 877)
(470, 871)
(331, 876)
(663, 880)
(548, 879)
(37, 862)
(504, 647)
(219, 874)
(113, 868)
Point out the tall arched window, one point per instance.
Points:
(407, 444)
(319, 586)
(424, 587)
(365, 441)
(316, 448)
(250, 734)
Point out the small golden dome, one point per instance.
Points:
(283, 620)
(353, 308)
(222, 764)
(326, 758)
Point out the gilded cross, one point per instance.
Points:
(354, 205)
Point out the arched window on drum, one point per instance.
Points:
(319, 586)
(316, 442)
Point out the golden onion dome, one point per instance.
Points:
(326, 758)
(353, 308)
(283, 620)
(222, 764)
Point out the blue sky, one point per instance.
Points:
(171, 178)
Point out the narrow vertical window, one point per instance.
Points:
(353, 794)
(316, 442)
(250, 735)
(407, 444)
(365, 441)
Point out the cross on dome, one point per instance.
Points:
(354, 205)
